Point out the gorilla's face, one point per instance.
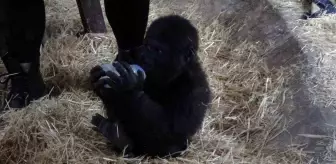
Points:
(170, 44)
(162, 62)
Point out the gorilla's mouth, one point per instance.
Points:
(147, 60)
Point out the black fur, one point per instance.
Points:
(160, 115)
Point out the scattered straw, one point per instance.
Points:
(243, 116)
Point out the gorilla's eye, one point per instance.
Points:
(155, 46)
(155, 49)
(159, 51)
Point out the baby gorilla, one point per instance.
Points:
(156, 115)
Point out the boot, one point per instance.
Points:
(26, 83)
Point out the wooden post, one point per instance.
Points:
(92, 16)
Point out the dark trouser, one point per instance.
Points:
(22, 25)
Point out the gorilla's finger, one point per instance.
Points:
(121, 69)
(114, 77)
(96, 68)
(96, 74)
(104, 82)
(140, 76)
(129, 70)
(95, 129)
(97, 119)
(127, 66)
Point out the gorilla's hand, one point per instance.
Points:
(97, 120)
(114, 79)
(128, 79)
(103, 79)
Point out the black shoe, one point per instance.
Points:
(26, 84)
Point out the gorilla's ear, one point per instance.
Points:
(190, 55)
(191, 52)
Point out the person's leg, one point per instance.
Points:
(128, 19)
(24, 29)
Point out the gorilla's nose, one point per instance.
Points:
(146, 60)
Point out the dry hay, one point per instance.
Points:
(319, 39)
(318, 36)
(243, 117)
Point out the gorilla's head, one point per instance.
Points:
(171, 43)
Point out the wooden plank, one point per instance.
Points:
(92, 16)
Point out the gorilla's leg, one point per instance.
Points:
(24, 23)
(115, 134)
(128, 19)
